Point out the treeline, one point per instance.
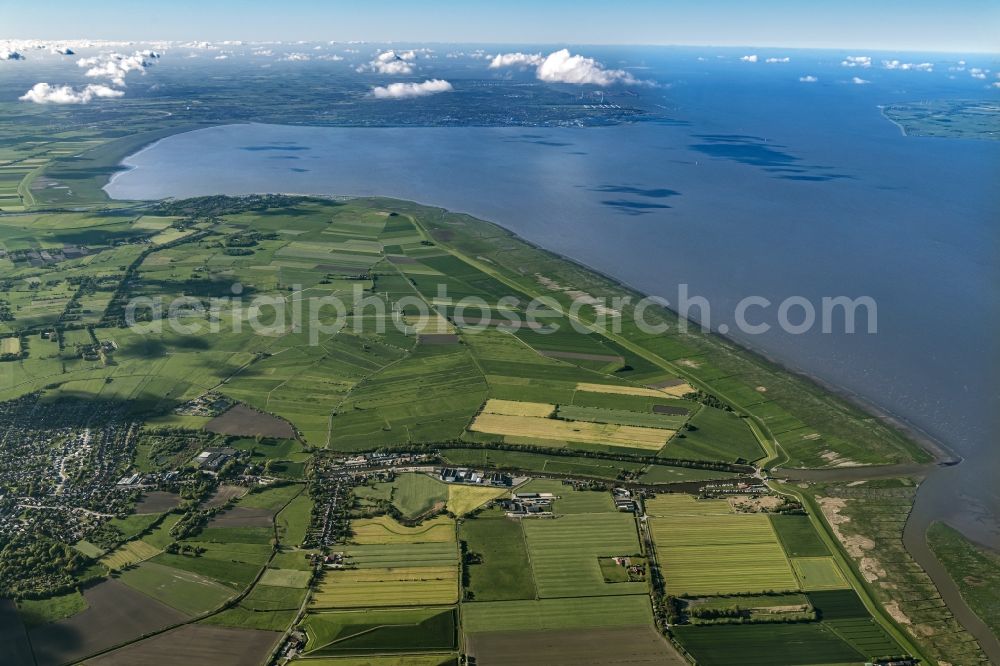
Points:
(569, 453)
(218, 205)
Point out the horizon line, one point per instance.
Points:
(504, 43)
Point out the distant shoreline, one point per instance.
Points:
(902, 130)
(940, 452)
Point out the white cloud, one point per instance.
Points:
(517, 59)
(7, 54)
(222, 57)
(995, 84)
(297, 57)
(749, 58)
(977, 73)
(896, 64)
(115, 66)
(857, 61)
(562, 67)
(43, 93)
(785, 59)
(808, 78)
(391, 63)
(407, 90)
(858, 81)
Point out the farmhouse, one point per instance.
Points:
(528, 504)
(625, 504)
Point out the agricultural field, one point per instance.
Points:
(500, 570)
(186, 591)
(539, 462)
(767, 645)
(622, 389)
(195, 644)
(715, 434)
(798, 536)
(705, 548)
(536, 586)
(390, 586)
(385, 530)
(13, 636)
(542, 580)
(557, 614)
(818, 573)
(415, 494)
(584, 432)
(463, 499)
(621, 417)
(352, 633)
(34, 612)
(564, 553)
(392, 565)
(129, 554)
(570, 647)
(515, 408)
(419, 659)
(396, 593)
(115, 613)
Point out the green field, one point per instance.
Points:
(396, 586)
(231, 572)
(620, 417)
(415, 494)
(570, 500)
(183, 590)
(665, 474)
(272, 498)
(243, 618)
(564, 553)
(286, 578)
(464, 499)
(544, 614)
(818, 573)
(385, 530)
(766, 645)
(293, 521)
(374, 556)
(715, 434)
(717, 553)
(522, 460)
(798, 536)
(380, 631)
(128, 554)
(400, 660)
(42, 611)
(502, 571)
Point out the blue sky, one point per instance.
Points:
(918, 25)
